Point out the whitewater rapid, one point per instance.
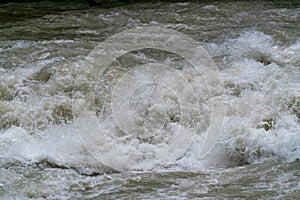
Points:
(261, 79)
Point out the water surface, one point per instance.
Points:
(256, 48)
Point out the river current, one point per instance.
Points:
(153, 123)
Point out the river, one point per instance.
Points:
(114, 103)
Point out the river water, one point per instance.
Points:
(50, 147)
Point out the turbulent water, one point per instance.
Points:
(119, 143)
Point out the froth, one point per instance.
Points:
(261, 80)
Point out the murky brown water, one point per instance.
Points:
(256, 48)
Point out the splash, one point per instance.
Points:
(261, 80)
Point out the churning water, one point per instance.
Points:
(136, 129)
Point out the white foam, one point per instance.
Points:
(261, 120)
